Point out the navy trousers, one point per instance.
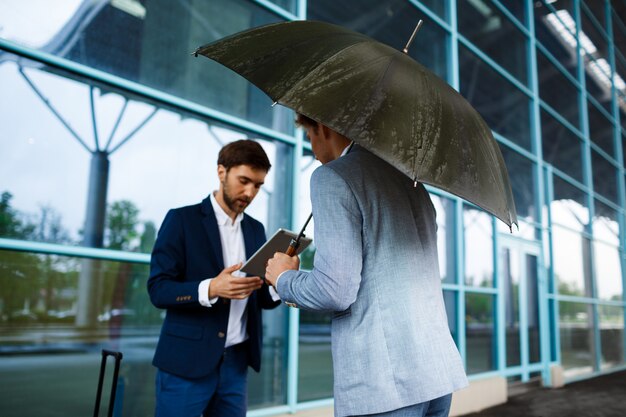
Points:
(221, 394)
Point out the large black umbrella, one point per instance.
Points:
(379, 97)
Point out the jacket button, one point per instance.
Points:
(221, 335)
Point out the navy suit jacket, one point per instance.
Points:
(188, 250)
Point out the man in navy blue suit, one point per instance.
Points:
(212, 330)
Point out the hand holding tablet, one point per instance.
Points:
(277, 243)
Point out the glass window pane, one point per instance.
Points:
(598, 80)
(554, 330)
(481, 23)
(479, 333)
(561, 147)
(553, 33)
(522, 177)
(608, 271)
(621, 98)
(606, 224)
(595, 49)
(576, 335)
(445, 238)
(449, 298)
(269, 387)
(478, 234)
(619, 29)
(532, 309)
(176, 153)
(620, 84)
(569, 207)
(570, 251)
(557, 90)
(46, 154)
(315, 366)
(611, 335)
(391, 22)
(308, 164)
(518, 8)
(437, 6)
(510, 269)
(604, 176)
(57, 313)
(600, 129)
(505, 108)
(289, 5)
(151, 43)
(597, 9)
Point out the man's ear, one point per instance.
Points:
(325, 131)
(221, 172)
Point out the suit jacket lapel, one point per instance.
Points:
(248, 236)
(209, 221)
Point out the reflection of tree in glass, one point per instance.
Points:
(32, 286)
(122, 224)
(569, 288)
(12, 224)
(45, 226)
(48, 226)
(479, 309)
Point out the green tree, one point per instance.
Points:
(11, 223)
(148, 237)
(121, 225)
(49, 226)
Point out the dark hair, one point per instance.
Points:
(244, 152)
(306, 121)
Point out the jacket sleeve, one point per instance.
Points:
(265, 298)
(334, 282)
(166, 285)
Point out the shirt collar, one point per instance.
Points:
(220, 215)
(346, 149)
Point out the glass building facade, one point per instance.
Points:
(107, 121)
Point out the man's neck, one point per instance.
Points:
(219, 197)
(339, 145)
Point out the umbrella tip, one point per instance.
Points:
(274, 103)
(408, 44)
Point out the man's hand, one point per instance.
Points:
(226, 285)
(280, 263)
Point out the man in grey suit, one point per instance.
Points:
(376, 269)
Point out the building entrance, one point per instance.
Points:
(520, 323)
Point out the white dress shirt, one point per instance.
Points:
(233, 252)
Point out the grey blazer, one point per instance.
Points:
(376, 269)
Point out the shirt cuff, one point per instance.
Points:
(278, 279)
(203, 293)
(274, 294)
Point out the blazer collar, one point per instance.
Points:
(209, 221)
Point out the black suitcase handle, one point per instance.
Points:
(118, 358)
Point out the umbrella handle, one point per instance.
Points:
(293, 247)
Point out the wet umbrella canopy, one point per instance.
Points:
(379, 97)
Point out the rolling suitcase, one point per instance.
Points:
(118, 359)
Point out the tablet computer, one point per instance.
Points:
(255, 266)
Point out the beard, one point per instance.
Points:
(237, 205)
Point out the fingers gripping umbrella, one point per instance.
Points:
(378, 97)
